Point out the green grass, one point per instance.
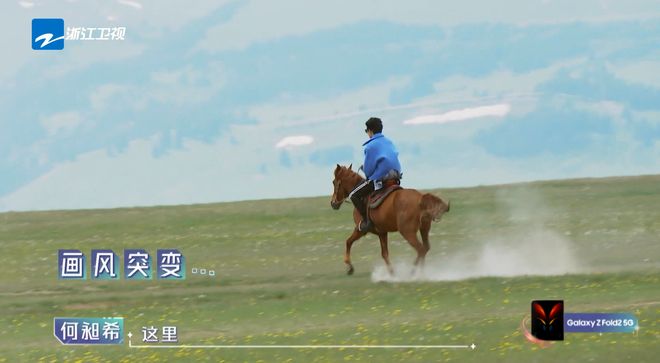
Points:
(281, 278)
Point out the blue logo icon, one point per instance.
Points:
(47, 34)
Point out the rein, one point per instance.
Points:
(356, 176)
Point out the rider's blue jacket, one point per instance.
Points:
(380, 156)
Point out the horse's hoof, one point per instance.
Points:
(350, 270)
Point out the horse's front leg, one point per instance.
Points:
(356, 235)
(384, 251)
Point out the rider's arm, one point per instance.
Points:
(370, 161)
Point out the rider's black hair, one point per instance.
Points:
(375, 125)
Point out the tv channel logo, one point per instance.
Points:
(47, 34)
(548, 319)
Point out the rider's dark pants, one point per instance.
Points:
(359, 196)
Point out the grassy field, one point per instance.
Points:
(281, 280)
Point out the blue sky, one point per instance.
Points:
(231, 100)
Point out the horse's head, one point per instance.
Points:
(343, 183)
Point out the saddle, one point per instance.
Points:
(376, 198)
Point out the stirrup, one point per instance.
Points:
(365, 226)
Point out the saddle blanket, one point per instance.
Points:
(377, 198)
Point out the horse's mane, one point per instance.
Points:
(344, 172)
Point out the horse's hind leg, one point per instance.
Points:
(411, 237)
(356, 235)
(424, 229)
(384, 251)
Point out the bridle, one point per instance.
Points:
(336, 202)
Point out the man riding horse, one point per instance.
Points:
(408, 211)
(381, 163)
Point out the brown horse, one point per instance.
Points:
(404, 210)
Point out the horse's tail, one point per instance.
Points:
(431, 207)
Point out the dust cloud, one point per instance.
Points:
(524, 245)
